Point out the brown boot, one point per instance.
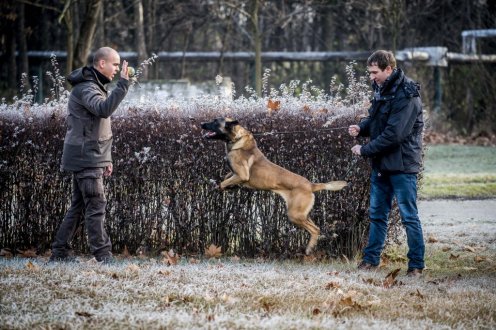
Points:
(366, 266)
(414, 272)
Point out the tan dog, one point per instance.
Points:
(250, 168)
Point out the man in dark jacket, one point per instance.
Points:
(87, 152)
(394, 126)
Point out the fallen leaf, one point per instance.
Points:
(164, 272)
(85, 314)
(133, 268)
(31, 253)
(6, 253)
(213, 251)
(469, 248)
(453, 256)
(171, 258)
(417, 294)
(309, 259)
(446, 249)
(31, 266)
(390, 279)
(332, 285)
(194, 261)
(480, 258)
(125, 252)
(316, 311)
(273, 105)
(432, 239)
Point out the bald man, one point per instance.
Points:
(87, 152)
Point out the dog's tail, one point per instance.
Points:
(333, 186)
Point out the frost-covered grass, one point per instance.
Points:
(243, 294)
(457, 291)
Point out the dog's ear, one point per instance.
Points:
(231, 123)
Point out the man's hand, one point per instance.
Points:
(108, 170)
(124, 72)
(357, 150)
(354, 130)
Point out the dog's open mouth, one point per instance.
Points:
(209, 134)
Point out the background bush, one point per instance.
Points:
(162, 195)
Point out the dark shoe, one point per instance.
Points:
(106, 260)
(414, 272)
(62, 259)
(366, 266)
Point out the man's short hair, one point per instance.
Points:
(102, 53)
(383, 59)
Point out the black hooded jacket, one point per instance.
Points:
(395, 125)
(88, 141)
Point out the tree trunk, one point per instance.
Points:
(257, 40)
(85, 40)
(139, 36)
(21, 33)
(150, 10)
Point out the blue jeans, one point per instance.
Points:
(383, 188)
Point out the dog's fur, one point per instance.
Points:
(250, 168)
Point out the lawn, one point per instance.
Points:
(457, 290)
(459, 171)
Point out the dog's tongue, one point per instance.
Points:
(209, 134)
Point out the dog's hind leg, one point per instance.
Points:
(299, 206)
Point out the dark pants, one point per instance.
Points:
(383, 189)
(88, 201)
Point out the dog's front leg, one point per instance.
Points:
(241, 174)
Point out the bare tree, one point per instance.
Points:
(139, 35)
(80, 36)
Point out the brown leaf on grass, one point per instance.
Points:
(31, 253)
(194, 261)
(125, 253)
(446, 249)
(453, 256)
(164, 272)
(390, 279)
(273, 105)
(133, 268)
(469, 248)
(84, 314)
(480, 258)
(309, 259)
(316, 311)
(170, 257)
(6, 253)
(213, 251)
(332, 285)
(432, 239)
(31, 266)
(417, 294)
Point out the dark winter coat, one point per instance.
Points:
(88, 141)
(395, 126)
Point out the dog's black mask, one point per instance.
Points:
(218, 129)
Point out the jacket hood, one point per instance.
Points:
(79, 75)
(87, 73)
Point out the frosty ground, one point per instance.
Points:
(458, 289)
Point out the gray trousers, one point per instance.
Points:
(88, 202)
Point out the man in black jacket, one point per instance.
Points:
(87, 152)
(394, 126)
